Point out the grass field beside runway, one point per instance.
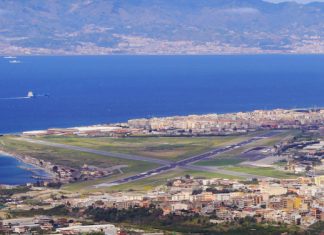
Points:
(143, 184)
(70, 158)
(233, 157)
(224, 161)
(262, 171)
(167, 148)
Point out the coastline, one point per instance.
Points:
(27, 160)
(76, 125)
(214, 124)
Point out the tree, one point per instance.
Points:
(197, 191)
(55, 169)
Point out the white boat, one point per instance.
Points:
(10, 57)
(14, 61)
(30, 95)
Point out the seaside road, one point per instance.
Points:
(98, 152)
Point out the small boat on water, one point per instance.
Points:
(10, 57)
(14, 61)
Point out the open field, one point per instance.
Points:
(67, 157)
(268, 142)
(164, 148)
(76, 159)
(144, 184)
(262, 171)
(151, 182)
(222, 161)
(167, 148)
(235, 156)
(88, 186)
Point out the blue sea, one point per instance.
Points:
(88, 90)
(101, 89)
(13, 172)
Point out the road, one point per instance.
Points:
(166, 165)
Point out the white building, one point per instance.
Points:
(108, 229)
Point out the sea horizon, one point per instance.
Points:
(198, 117)
(94, 90)
(89, 90)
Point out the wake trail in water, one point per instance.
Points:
(15, 98)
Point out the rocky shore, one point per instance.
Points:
(34, 164)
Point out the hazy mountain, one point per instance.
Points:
(160, 27)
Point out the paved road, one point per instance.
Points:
(98, 152)
(167, 165)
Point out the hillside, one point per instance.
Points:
(160, 27)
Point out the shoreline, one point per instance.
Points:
(36, 176)
(282, 121)
(158, 116)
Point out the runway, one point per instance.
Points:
(166, 165)
(98, 152)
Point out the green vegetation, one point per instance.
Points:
(171, 148)
(75, 159)
(268, 142)
(317, 228)
(190, 223)
(281, 163)
(140, 185)
(5, 194)
(262, 171)
(233, 157)
(220, 162)
(11, 191)
(306, 136)
(157, 180)
(70, 158)
(55, 211)
(87, 186)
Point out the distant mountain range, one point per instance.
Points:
(160, 27)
